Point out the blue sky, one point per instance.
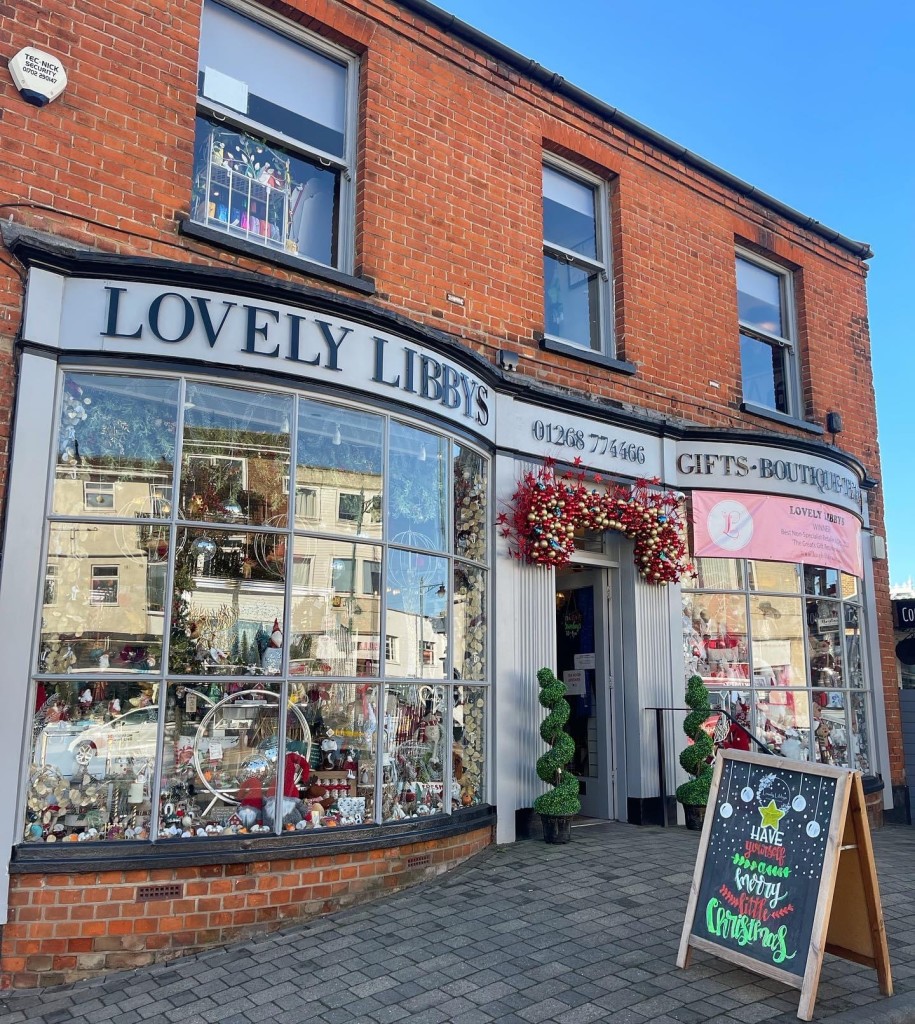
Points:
(812, 102)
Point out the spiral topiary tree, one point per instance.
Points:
(562, 800)
(695, 759)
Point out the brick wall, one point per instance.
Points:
(447, 201)
(64, 927)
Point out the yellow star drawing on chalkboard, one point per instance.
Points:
(771, 815)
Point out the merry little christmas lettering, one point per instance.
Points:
(763, 865)
(548, 509)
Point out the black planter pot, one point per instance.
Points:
(695, 816)
(556, 828)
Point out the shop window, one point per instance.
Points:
(768, 356)
(780, 647)
(576, 259)
(103, 588)
(274, 143)
(265, 615)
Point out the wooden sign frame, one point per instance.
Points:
(850, 926)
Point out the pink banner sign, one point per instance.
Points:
(729, 525)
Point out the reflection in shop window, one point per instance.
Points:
(98, 496)
(789, 668)
(254, 595)
(104, 584)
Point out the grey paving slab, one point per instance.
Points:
(525, 934)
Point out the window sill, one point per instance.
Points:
(780, 417)
(225, 241)
(587, 355)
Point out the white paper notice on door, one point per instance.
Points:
(574, 682)
(584, 661)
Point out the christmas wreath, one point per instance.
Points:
(547, 509)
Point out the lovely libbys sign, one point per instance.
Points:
(728, 525)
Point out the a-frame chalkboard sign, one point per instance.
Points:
(785, 873)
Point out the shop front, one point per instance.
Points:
(267, 653)
(259, 650)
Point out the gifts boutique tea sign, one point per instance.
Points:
(777, 836)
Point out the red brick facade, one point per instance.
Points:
(448, 202)
(68, 926)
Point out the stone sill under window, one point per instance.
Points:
(128, 854)
(225, 241)
(586, 355)
(780, 417)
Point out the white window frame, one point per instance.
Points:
(109, 573)
(306, 502)
(345, 165)
(98, 489)
(603, 266)
(392, 648)
(787, 342)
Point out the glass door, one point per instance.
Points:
(583, 664)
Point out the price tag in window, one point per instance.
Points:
(215, 752)
(190, 703)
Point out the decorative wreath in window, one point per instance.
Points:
(547, 509)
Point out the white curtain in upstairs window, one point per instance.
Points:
(273, 67)
(568, 192)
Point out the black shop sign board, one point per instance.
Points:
(785, 873)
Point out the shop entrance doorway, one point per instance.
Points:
(583, 663)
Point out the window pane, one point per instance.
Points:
(99, 616)
(468, 746)
(778, 641)
(825, 643)
(416, 745)
(341, 776)
(470, 622)
(115, 445)
(572, 302)
(715, 637)
(338, 459)
(859, 751)
(783, 721)
(854, 661)
(830, 732)
(759, 298)
(763, 374)
(418, 488)
(470, 505)
(417, 612)
(220, 771)
(228, 603)
(235, 457)
(568, 213)
(820, 582)
(92, 761)
(778, 577)
(717, 574)
(255, 66)
(264, 193)
(335, 628)
(851, 588)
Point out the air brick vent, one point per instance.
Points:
(145, 893)
(421, 860)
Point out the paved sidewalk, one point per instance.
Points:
(523, 934)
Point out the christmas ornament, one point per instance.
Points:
(548, 509)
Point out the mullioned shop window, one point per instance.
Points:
(780, 646)
(273, 151)
(219, 654)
